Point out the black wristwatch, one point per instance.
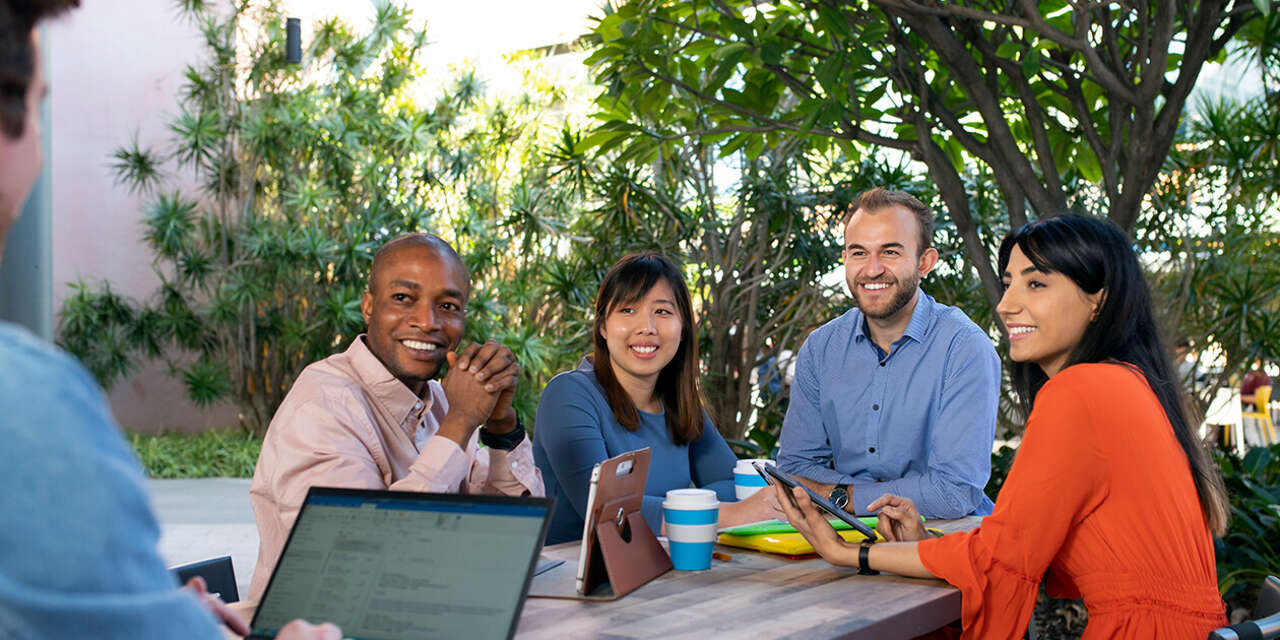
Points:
(864, 566)
(839, 496)
(503, 441)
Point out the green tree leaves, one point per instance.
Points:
(304, 172)
(1057, 102)
(170, 221)
(137, 168)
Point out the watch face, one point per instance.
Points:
(839, 497)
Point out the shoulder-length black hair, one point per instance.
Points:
(626, 282)
(1098, 256)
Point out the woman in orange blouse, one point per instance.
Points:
(1111, 493)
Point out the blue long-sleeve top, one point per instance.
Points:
(916, 422)
(575, 429)
(78, 546)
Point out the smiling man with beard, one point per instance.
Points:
(898, 395)
(374, 417)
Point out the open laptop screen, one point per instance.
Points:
(393, 565)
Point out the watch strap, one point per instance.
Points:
(503, 441)
(864, 566)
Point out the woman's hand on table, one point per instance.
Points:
(813, 525)
(761, 505)
(899, 521)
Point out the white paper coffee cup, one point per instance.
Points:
(692, 517)
(746, 480)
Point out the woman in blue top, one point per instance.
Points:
(638, 389)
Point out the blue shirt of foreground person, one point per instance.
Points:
(78, 544)
(78, 547)
(639, 389)
(898, 395)
(77, 551)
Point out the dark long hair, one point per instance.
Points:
(626, 282)
(1097, 256)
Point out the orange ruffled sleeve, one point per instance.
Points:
(1057, 479)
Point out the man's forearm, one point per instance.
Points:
(511, 473)
(825, 489)
(818, 474)
(458, 429)
(503, 425)
(934, 496)
(820, 488)
(441, 467)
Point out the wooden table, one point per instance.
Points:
(754, 595)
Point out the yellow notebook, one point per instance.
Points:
(790, 544)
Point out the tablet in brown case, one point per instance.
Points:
(623, 553)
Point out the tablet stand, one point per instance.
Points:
(623, 551)
(629, 552)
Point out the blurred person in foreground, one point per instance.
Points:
(78, 546)
(1111, 493)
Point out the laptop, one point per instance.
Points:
(393, 565)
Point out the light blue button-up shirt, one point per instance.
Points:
(78, 540)
(917, 422)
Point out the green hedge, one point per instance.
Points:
(210, 454)
(1251, 549)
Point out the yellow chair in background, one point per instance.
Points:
(1262, 412)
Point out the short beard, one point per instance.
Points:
(900, 300)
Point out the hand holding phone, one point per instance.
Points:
(773, 475)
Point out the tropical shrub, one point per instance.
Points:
(229, 453)
(302, 172)
(1251, 549)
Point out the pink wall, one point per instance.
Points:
(114, 69)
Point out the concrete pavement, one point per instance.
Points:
(205, 518)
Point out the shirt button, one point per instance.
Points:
(515, 464)
(871, 450)
(417, 405)
(882, 364)
(875, 407)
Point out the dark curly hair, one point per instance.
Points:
(18, 19)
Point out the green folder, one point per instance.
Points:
(778, 526)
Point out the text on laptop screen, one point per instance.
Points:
(391, 568)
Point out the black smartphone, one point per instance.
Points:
(771, 474)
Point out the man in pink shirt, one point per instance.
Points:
(374, 417)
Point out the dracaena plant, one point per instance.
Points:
(292, 175)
